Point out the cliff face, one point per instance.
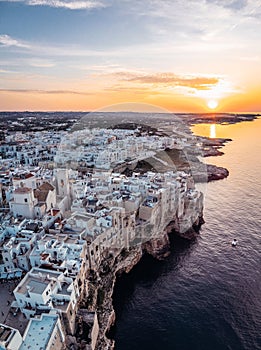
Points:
(186, 223)
(158, 247)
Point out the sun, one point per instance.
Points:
(212, 104)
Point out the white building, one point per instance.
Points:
(23, 202)
(10, 338)
(44, 290)
(24, 179)
(46, 197)
(44, 333)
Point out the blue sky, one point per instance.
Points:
(117, 48)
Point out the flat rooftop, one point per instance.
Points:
(37, 286)
(37, 281)
(38, 333)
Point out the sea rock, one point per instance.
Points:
(216, 173)
(212, 152)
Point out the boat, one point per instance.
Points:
(234, 242)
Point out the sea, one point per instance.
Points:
(207, 294)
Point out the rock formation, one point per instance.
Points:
(101, 283)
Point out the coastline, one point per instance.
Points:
(158, 248)
(184, 301)
(101, 284)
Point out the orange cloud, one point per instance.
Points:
(194, 82)
(48, 92)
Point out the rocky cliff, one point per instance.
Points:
(101, 283)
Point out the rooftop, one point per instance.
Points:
(37, 281)
(23, 176)
(41, 192)
(39, 332)
(22, 190)
(36, 286)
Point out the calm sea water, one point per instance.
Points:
(207, 294)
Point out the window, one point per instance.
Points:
(25, 200)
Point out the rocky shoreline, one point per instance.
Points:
(210, 147)
(101, 284)
(221, 118)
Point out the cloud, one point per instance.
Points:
(231, 4)
(134, 90)
(6, 40)
(4, 71)
(48, 92)
(170, 79)
(197, 20)
(66, 4)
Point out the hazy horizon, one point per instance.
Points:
(127, 111)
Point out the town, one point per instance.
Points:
(67, 205)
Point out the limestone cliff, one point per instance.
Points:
(101, 281)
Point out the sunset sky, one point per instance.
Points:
(175, 54)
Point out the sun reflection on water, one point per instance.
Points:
(212, 133)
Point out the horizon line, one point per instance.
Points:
(123, 111)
